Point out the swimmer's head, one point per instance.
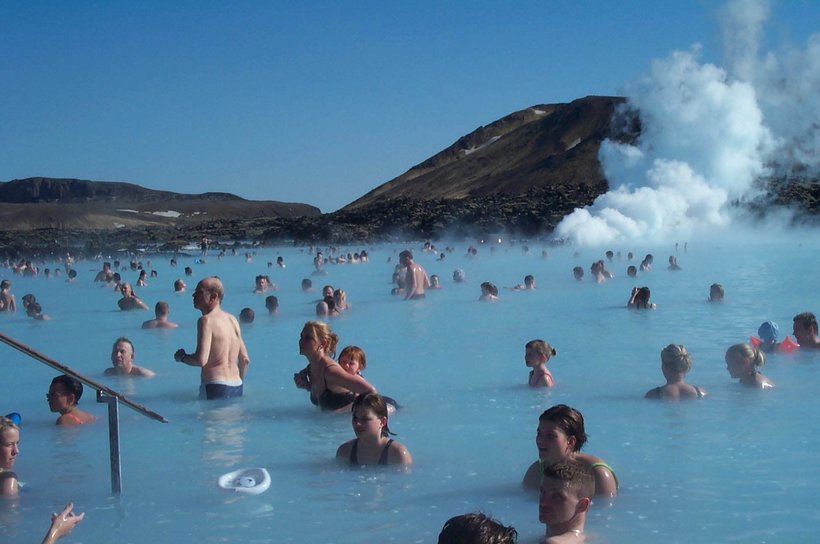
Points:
(578, 272)
(352, 359)
(374, 403)
(161, 309)
(675, 359)
(247, 315)
(327, 339)
(716, 292)
(271, 303)
(541, 347)
(458, 275)
(744, 353)
(566, 490)
(476, 528)
(768, 332)
(568, 420)
(67, 385)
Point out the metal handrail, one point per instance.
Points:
(104, 394)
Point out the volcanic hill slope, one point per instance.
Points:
(520, 174)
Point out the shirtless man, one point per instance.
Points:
(161, 311)
(416, 280)
(122, 360)
(105, 274)
(220, 351)
(7, 301)
(805, 330)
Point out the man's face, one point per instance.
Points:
(801, 333)
(122, 356)
(557, 503)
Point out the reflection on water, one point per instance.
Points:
(223, 434)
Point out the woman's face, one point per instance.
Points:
(350, 363)
(308, 341)
(367, 423)
(59, 400)
(737, 366)
(553, 443)
(9, 447)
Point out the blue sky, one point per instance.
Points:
(314, 102)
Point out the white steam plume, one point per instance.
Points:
(707, 134)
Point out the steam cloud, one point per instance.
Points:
(708, 133)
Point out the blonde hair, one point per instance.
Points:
(675, 357)
(324, 335)
(6, 424)
(541, 347)
(745, 351)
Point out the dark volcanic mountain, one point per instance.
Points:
(540, 147)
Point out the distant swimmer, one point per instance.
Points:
(129, 300)
(106, 274)
(716, 292)
(220, 351)
(743, 363)
(161, 311)
(489, 292)
(179, 285)
(372, 445)
(122, 360)
(272, 304)
(63, 396)
(578, 273)
(528, 285)
(7, 300)
(673, 263)
(805, 330)
(646, 264)
(675, 364)
(416, 280)
(246, 316)
(435, 283)
(536, 355)
(639, 299)
(631, 271)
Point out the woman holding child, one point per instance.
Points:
(331, 387)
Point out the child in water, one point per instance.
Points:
(536, 355)
(352, 360)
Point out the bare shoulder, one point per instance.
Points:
(343, 452)
(398, 454)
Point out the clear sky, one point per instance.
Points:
(315, 101)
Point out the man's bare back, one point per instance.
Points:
(220, 351)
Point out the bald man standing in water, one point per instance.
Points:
(416, 280)
(220, 351)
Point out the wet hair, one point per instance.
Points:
(716, 292)
(676, 358)
(271, 302)
(806, 320)
(161, 308)
(356, 353)
(745, 351)
(376, 404)
(541, 347)
(575, 474)
(642, 297)
(124, 340)
(6, 424)
(578, 272)
(325, 335)
(71, 385)
(306, 283)
(246, 315)
(631, 271)
(476, 528)
(568, 420)
(529, 279)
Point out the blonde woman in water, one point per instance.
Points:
(743, 362)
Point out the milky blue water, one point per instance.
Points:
(734, 467)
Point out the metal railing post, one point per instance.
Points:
(113, 440)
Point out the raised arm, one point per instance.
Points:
(335, 375)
